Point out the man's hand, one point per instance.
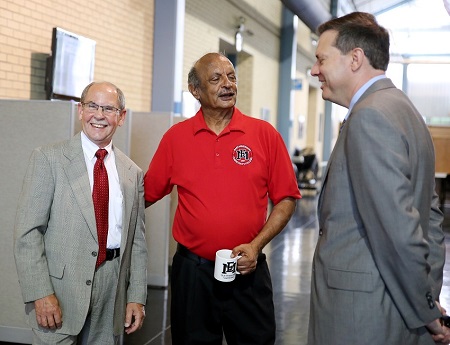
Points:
(134, 317)
(439, 333)
(249, 258)
(48, 312)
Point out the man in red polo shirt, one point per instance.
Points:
(226, 167)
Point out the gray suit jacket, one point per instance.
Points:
(56, 236)
(379, 259)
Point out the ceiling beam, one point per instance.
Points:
(386, 9)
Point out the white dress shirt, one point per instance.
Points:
(115, 207)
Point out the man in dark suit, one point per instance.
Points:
(75, 289)
(378, 264)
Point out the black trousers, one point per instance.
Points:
(204, 309)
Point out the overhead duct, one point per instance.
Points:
(310, 12)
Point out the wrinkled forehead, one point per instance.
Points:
(327, 38)
(102, 93)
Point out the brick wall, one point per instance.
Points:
(123, 31)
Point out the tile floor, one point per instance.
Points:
(289, 257)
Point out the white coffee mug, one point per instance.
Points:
(225, 267)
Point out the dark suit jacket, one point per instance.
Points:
(378, 263)
(56, 236)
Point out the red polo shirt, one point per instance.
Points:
(223, 181)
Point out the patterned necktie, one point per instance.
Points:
(100, 196)
(342, 125)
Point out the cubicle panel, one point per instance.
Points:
(147, 130)
(25, 125)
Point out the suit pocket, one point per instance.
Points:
(350, 280)
(56, 270)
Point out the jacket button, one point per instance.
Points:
(88, 282)
(430, 300)
(94, 254)
(320, 232)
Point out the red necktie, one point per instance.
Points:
(100, 196)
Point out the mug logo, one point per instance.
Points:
(242, 155)
(229, 267)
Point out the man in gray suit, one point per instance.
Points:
(378, 265)
(70, 296)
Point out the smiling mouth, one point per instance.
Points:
(98, 125)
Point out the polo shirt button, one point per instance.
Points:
(94, 254)
(217, 155)
(88, 282)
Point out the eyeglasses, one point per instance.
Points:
(107, 110)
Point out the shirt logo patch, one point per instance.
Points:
(242, 155)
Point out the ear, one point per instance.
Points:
(80, 111)
(194, 91)
(357, 58)
(122, 115)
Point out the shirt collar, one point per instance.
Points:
(237, 122)
(90, 148)
(363, 89)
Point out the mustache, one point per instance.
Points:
(227, 93)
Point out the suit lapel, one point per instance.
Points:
(76, 172)
(127, 188)
(325, 175)
(342, 134)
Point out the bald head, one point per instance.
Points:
(194, 78)
(212, 81)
